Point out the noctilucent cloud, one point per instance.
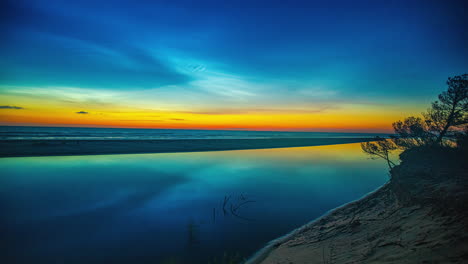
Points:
(263, 65)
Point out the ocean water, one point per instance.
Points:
(70, 133)
(200, 207)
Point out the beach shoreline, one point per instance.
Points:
(31, 148)
(419, 216)
(374, 229)
(265, 252)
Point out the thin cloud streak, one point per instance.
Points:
(260, 110)
(11, 107)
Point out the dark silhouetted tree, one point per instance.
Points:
(381, 148)
(448, 112)
(412, 132)
(451, 110)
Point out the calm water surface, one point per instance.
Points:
(92, 133)
(172, 208)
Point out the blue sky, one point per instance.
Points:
(218, 56)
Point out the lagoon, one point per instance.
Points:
(196, 207)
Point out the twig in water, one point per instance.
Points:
(238, 216)
(226, 199)
(243, 203)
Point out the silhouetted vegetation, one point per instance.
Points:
(381, 148)
(442, 125)
(451, 110)
(412, 132)
(235, 205)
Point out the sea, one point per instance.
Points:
(91, 133)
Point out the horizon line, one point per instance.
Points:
(199, 129)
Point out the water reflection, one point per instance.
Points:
(152, 208)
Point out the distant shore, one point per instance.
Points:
(25, 148)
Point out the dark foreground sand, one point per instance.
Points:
(420, 216)
(376, 229)
(21, 148)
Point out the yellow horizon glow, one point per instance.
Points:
(371, 121)
(51, 111)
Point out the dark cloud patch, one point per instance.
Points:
(177, 119)
(82, 112)
(10, 107)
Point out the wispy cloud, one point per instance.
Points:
(310, 110)
(82, 112)
(141, 120)
(10, 107)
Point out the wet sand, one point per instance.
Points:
(25, 148)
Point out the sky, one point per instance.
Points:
(352, 66)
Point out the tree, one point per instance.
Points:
(412, 132)
(451, 110)
(381, 148)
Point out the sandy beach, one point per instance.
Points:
(24, 148)
(418, 217)
(376, 229)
